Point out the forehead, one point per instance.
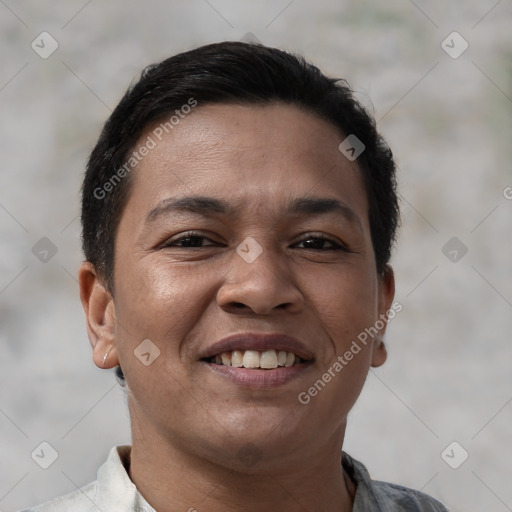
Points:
(248, 154)
(233, 129)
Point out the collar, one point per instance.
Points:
(116, 491)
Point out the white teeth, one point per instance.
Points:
(251, 359)
(268, 359)
(281, 358)
(290, 359)
(237, 358)
(226, 358)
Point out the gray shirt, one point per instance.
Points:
(113, 491)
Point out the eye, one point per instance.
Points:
(188, 240)
(319, 242)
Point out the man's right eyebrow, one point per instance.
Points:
(201, 205)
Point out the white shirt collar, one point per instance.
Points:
(115, 490)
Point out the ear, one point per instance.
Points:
(98, 306)
(386, 295)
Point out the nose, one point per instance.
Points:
(260, 286)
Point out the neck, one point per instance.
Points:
(174, 479)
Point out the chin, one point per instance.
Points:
(261, 439)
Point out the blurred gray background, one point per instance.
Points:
(445, 110)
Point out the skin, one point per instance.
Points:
(190, 425)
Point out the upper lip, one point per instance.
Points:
(259, 342)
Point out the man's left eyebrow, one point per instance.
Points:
(323, 205)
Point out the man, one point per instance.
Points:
(238, 213)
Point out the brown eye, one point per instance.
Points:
(321, 243)
(188, 240)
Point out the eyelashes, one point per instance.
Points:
(195, 240)
(335, 246)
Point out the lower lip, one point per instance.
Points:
(259, 378)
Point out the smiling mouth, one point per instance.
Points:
(253, 359)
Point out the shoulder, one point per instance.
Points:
(374, 495)
(81, 500)
(112, 485)
(406, 499)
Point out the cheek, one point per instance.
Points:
(160, 303)
(346, 303)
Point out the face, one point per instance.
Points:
(243, 220)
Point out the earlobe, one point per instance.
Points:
(386, 296)
(99, 311)
(379, 354)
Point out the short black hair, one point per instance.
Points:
(227, 72)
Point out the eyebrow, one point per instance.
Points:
(208, 206)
